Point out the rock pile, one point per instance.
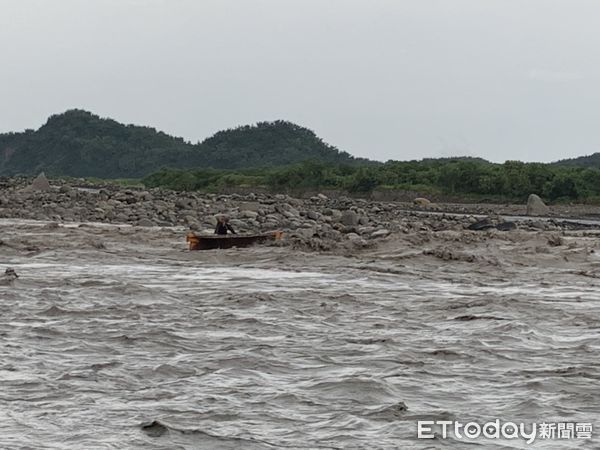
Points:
(317, 222)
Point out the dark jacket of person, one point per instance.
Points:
(223, 227)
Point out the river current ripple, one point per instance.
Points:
(263, 349)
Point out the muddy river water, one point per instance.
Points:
(117, 339)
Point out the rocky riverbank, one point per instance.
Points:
(318, 222)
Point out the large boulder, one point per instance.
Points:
(312, 215)
(483, 224)
(349, 218)
(248, 214)
(336, 215)
(420, 201)
(249, 206)
(146, 223)
(536, 206)
(380, 233)
(506, 226)
(39, 184)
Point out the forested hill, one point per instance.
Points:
(79, 143)
(592, 160)
(270, 144)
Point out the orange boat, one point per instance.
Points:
(196, 242)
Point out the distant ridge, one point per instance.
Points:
(592, 160)
(79, 143)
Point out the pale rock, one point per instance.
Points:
(536, 206)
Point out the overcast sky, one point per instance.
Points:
(385, 79)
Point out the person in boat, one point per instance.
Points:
(223, 226)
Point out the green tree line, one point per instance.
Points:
(512, 180)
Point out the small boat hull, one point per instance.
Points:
(229, 241)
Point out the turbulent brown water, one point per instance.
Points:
(117, 339)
